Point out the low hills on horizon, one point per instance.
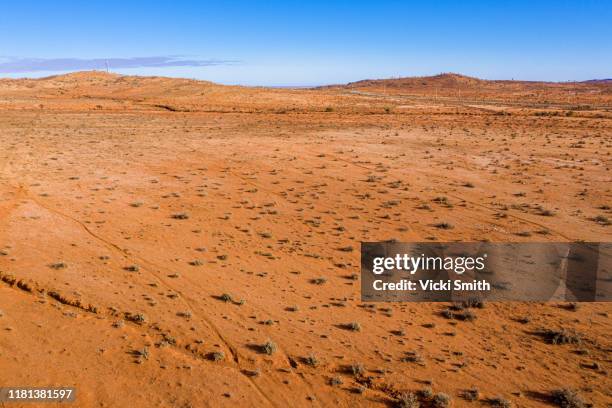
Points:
(443, 80)
(454, 79)
(181, 94)
(452, 84)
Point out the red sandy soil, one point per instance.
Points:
(131, 207)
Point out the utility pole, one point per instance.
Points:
(106, 62)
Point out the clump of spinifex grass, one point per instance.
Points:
(353, 326)
(602, 220)
(562, 336)
(567, 398)
(335, 381)
(357, 369)
(216, 356)
(137, 318)
(407, 400)
(227, 298)
(311, 360)
(269, 347)
(318, 281)
(500, 402)
(58, 265)
(444, 225)
(441, 400)
(472, 394)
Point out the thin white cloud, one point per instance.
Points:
(14, 65)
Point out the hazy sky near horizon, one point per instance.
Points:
(309, 42)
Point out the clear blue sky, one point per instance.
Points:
(311, 42)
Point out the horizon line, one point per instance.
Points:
(53, 74)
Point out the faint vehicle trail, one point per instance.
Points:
(150, 269)
(34, 287)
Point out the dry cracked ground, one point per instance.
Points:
(182, 244)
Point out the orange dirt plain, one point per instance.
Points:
(156, 233)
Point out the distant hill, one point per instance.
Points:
(605, 81)
(458, 81)
(98, 90)
(99, 83)
(451, 85)
(443, 80)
